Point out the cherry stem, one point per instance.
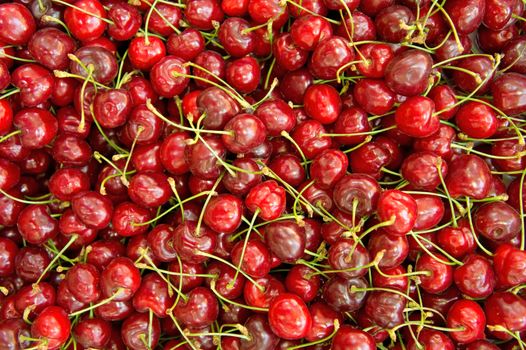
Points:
(449, 198)
(9, 93)
(183, 333)
(247, 236)
(452, 25)
(124, 180)
(438, 248)
(12, 133)
(57, 257)
(100, 303)
(336, 324)
(205, 204)
(47, 18)
(171, 287)
(452, 59)
(226, 262)
(67, 4)
(16, 199)
(287, 136)
(354, 148)
(475, 236)
(228, 301)
(373, 132)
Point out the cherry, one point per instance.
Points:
(497, 221)
(92, 332)
(476, 120)
(351, 121)
(338, 293)
(261, 336)
(398, 207)
(36, 224)
(513, 153)
(139, 332)
(84, 26)
(269, 288)
(288, 168)
(50, 47)
(103, 251)
(256, 259)
(468, 315)
(369, 159)
(12, 332)
(395, 248)
(190, 281)
(363, 28)
(186, 45)
(431, 339)
(507, 263)
(203, 161)
(149, 190)
(328, 112)
(386, 309)
(415, 117)
(246, 132)
(287, 54)
(52, 326)
(309, 135)
(388, 21)
(512, 57)
(243, 181)
(153, 295)
(33, 299)
(348, 337)
(309, 30)
(289, 317)
(286, 240)
(440, 275)
(201, 14)
(235, 38)
(495, 41)
(190, 241)
(468, 175)
(466, 16)
(482, 68)
(223, 213)
(114, 310)
(218, 107)
(329, 56)
(168, 76)
(17, 25)
(267, 199)
(144, 54)
(301, 281)
(165, 19)
(481, 345)
(126, 21)
(408, 72)
(348, 258)
(507, 92)
(505, 309)
(38, 127)
(374, 96)
(475, 278)
(120, 280)
(359, 188)
(199, 310)
(277, 116)
(243, 74)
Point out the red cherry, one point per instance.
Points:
(508, 263)
(476, 120)
(374, 96)
(325, 113)
(17, 24)
(466, 15)
(440, 275)
(348, 337)
(223, 213)
(120, 280)
(268, 199)
(416, 117)
(469, 315)
(468, 175)
(86, 27)
(400, 207)
(289, 316)
(408, 73)
(52, 326)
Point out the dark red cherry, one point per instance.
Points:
(507, 310)
(199, 310)
(388, 23)
(256, 259)
(165, 19)
(491, 41)
(8, 252)
(469, 315)
(243, 74)
(421, 170)
(468, 175)
(201, 14)
(287, 54)
(432, 340)
(508, 263)
(52, 326)
(329, 56)
(139, 329)
(508, 93)
(513, 57)
(430, 211)
(12, 332)
(120, 279)
(294, 84)
(481, 66)
(497, 221)
(328, 168)
(288, 168)
(395, 248)
(35, 83)
(261, 336)
(311, 139)
(348, 257)
(247, 132)
(50, 47)
(153, 295)
(92, 332)
(36, 224)
(30, 263)
(285, 240)
(408, 72)
(512, 152)
(289, 316)
(386, 309)
(17, 24)
(338, 293)
(243, 181)
(277, 116)
(327, 112)
(126, 21)
(269, 288)
(149, 190)
(202, 158)
(439, 275)
(374, 96)
(112, 107)
(353, 122)
(348, 337)
(301, 281)
(9, 174)
(168, 76)
(476, 277)
(235, 38)
(309, 30)
(186, 45)
(84, 26)
(466, 15)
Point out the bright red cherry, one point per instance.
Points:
(289, 316)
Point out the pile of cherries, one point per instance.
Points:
(262, 174)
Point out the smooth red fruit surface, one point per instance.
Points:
(289, 316)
